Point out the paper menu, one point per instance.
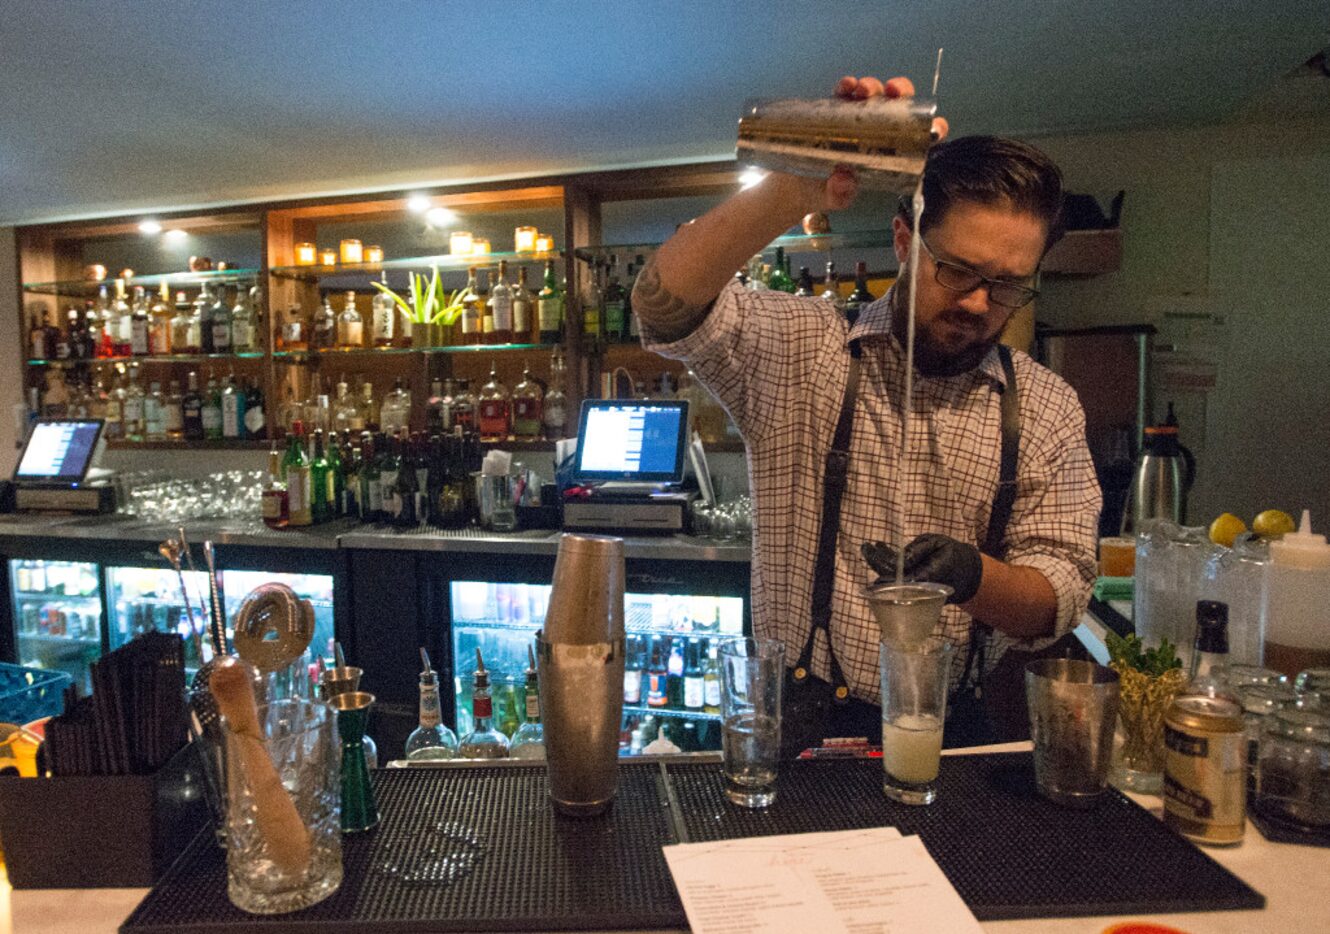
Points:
(870, 881)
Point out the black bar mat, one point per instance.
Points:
(461, 849)
(1009, 853)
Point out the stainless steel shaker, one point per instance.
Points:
(581, 659)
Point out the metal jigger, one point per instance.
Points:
(359, 810)
(581, 661)
(907, 613)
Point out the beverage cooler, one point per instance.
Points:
(671, 678)
(57, 616)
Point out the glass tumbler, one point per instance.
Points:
(914, 706)
(751, 672)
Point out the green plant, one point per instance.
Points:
(429, 302)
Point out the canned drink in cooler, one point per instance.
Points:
(1205, 787)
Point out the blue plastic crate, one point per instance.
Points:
(28, 694)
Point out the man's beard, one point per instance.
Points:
(931, 358)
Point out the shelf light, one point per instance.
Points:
(545, 243)
(374, 254)
(524, 239)
(351, 251)
(175, 234)
(459, 243)
(480, 246)
(327, 257)
(751, 177)
(418, 204)
(306, 254)
(150, 228)
(439, 217)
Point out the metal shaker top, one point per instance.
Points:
(586, 597)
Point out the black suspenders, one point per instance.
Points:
(833, 490)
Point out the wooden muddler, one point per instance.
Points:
(275, 813)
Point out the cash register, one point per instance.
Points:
(57, 470)
(629, 467)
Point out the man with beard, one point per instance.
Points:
(1014, 541)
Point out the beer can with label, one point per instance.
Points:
(1205, 788)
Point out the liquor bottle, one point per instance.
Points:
(104, 328)
(346, 413)
(219, 319)
(335, 488)
(74, 335)
(296, 473)
(211, 411)
(323, 329)
(132, 411)
(554, 409)
(350, 326)
(495, 409)
(406, 498)
(549, 307)
(473, 311)
(633, 670)
(191, 405)
(694, 687)
(233, 409)
(202, 313)
(831, 289)
(1209, 657)
(369, 412)
(804, 286)
(711, 681)
(614, 303)
(123, 318)
(484, 741)
(173, 414)
(674, 675)
(37, 349)
(139, 324)
(431, 739)
(485, 328)
(438, 409)
(154, 413)
(499, 311)
(273, 501)
(464, 407)
(529, 740)
(242, 321)
(593, 305)
(383, 317)
(524, 311)
(320, 506)
(180, 327)
(159, 324)
(294, 336)
(389, 463)
(779, 280)
(371, 492)
(527, 396)
(255, 419)
(350, 459)
(860, 297)
(395, 413)
(657, 676)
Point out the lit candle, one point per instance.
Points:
(351, 251)
(544, 243)
(373, 254)
(328, 257)
(305, 254)
(459, 243)
(480, 246)
(126, 273)
(524, 239)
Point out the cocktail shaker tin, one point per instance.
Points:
(581, 661)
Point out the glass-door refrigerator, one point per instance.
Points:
(671, 676)
(57, 613)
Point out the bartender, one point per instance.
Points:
(1021, 563)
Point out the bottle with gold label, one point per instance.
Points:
(527, 398)
(350, 325)
(495, 412)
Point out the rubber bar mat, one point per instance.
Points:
(461, 849)
(1009, 853)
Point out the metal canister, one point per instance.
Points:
(1205, 788)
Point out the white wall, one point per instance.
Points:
(1233, 221)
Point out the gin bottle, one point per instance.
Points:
(484, 741)
(431, 739)
(529, 740)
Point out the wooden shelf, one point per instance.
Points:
(1085, 253)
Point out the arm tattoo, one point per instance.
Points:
(668, 317)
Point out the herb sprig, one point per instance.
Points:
(1129, 652)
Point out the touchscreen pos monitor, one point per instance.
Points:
(59, 451)
(631, 441)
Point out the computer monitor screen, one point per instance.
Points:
(626, 440)
(59, 450)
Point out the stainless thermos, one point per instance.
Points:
(1162, 478)
(581, 659)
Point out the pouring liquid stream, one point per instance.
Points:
(907, 396)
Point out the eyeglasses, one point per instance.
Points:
(958, 278)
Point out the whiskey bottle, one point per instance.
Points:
(554, 410)
(173, 413)
(123, 322)
(495, 409)
(296, 473)
(527, 397)
(211, 412)
(219, 318)
(323, 329)
(831, 289)
(500, 309)
(431, 739)
(180, 327)
(350, 326)
(132, 411)
(383, 318)
(139, 324)
(273, 501)
(202, 313)
(549, 305)
(154, 413)
(473, 311)
(159, 325)
(524, 311)
(242, 322)
(484, 741)
(233, 409)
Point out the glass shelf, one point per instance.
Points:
(152, 358)
(642, 709)
(86, 288)
(337, 352)
(801, 243)
(445, 262)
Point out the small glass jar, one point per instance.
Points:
(1260, 702)
(544, 243)
(1293, 782)
(524, 239)
(328, 257)
(351, 251)
(480, 246)
(459, 243)
(306, 254)
(374, 254)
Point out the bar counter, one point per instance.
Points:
(1291, 877)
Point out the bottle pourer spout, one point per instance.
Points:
(424, 661)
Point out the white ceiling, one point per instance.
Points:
(110, 106)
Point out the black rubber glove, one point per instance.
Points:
(930, 557)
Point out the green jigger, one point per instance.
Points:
(359, 812)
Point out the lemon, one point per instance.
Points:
(1273, 524)
(1226, 528)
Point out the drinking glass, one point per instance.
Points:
(751, 672)
(914, 706)
(301, 740)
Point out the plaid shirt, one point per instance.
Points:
(779, 364)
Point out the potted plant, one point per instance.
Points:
(431, 310)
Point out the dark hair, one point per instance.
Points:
(990, 170)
